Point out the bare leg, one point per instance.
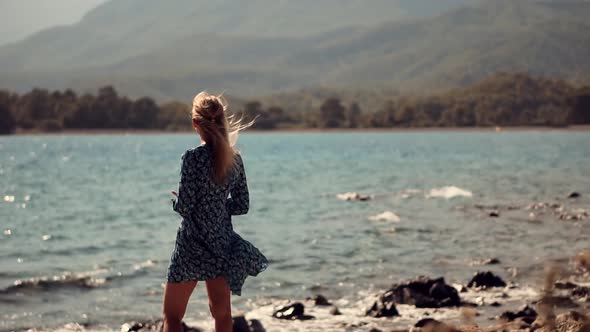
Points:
(176, 298)
(220, 303)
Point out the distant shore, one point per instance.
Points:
(304, 130)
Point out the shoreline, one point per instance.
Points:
(76, 132)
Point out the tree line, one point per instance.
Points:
(501, 100)
(42, 110)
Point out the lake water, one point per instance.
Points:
(86, 227)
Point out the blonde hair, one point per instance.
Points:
(218, 130)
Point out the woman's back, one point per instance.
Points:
(201, 194)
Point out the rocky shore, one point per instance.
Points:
(485, 302)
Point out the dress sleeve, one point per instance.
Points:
(239, 202)
(188, 188)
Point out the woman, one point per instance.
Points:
(212, 188)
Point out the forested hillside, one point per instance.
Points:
(501, 100)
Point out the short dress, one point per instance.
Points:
(206, 245)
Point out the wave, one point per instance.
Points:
(144, 265)
(55, 282)
(386, 216)
(448, 192)
(82, 281)
(353, 196)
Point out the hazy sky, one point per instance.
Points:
(19, 18)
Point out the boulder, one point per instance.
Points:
(383, 307)
(423, 292)
(486, 280)
(256, 326)
(581, 292)
(294, 311)
(321, 300)
(565, 285)
(574, 195)
(241, 324)
(526, 314)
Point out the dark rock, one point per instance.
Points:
(424, 292)
(335, 311)
(292, 312)
(321, 300)
(256, 326)
(494, 214)
(375, 330)
(574, 195)
(565, 285)
(383, 307)
(485, 280)
(241, 324)
(139, 326)
(486, 261)
(521, 323)
(526, 314)
(495, 304)
(581, 291)
(491, 261)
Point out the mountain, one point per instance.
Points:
(263, 46)
(120, 29)
(463, 46)
(22, 18)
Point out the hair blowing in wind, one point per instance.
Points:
(219, 130)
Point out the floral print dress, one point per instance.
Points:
(206, 244)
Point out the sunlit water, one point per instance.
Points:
(94, 213)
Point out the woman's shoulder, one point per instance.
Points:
(238, 158)
(197, 153)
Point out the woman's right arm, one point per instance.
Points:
(239, 202)
(188, 188)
